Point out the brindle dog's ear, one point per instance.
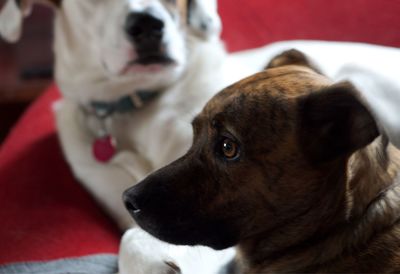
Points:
(333, 123)
(292, 57)
(203, 19)
(13, 13)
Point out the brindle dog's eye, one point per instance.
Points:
(230, 149)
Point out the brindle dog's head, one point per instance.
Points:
(260, 151)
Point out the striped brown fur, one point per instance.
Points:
(314, 187)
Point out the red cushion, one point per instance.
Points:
(253, 23)
(45, 214)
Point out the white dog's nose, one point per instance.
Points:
(144, 30)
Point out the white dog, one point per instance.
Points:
(133, 73)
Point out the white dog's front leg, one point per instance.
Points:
(140, 253)
(105, 181)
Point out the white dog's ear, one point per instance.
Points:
(203, 18)
(13, 13)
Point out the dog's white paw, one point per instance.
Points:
(140, 253)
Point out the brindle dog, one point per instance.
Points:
(289, 167)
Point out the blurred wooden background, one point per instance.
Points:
(25, 67)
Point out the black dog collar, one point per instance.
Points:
(105, 146)
(125, 104)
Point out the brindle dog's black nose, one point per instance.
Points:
(131, 203)
(144, 30)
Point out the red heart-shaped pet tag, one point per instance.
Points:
(104, 148)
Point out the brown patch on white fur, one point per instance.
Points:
(183, 9)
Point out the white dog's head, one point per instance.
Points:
(119, 44)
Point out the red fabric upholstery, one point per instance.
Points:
(44, 212)
(253, 23)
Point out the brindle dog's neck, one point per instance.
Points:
(372, 207)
